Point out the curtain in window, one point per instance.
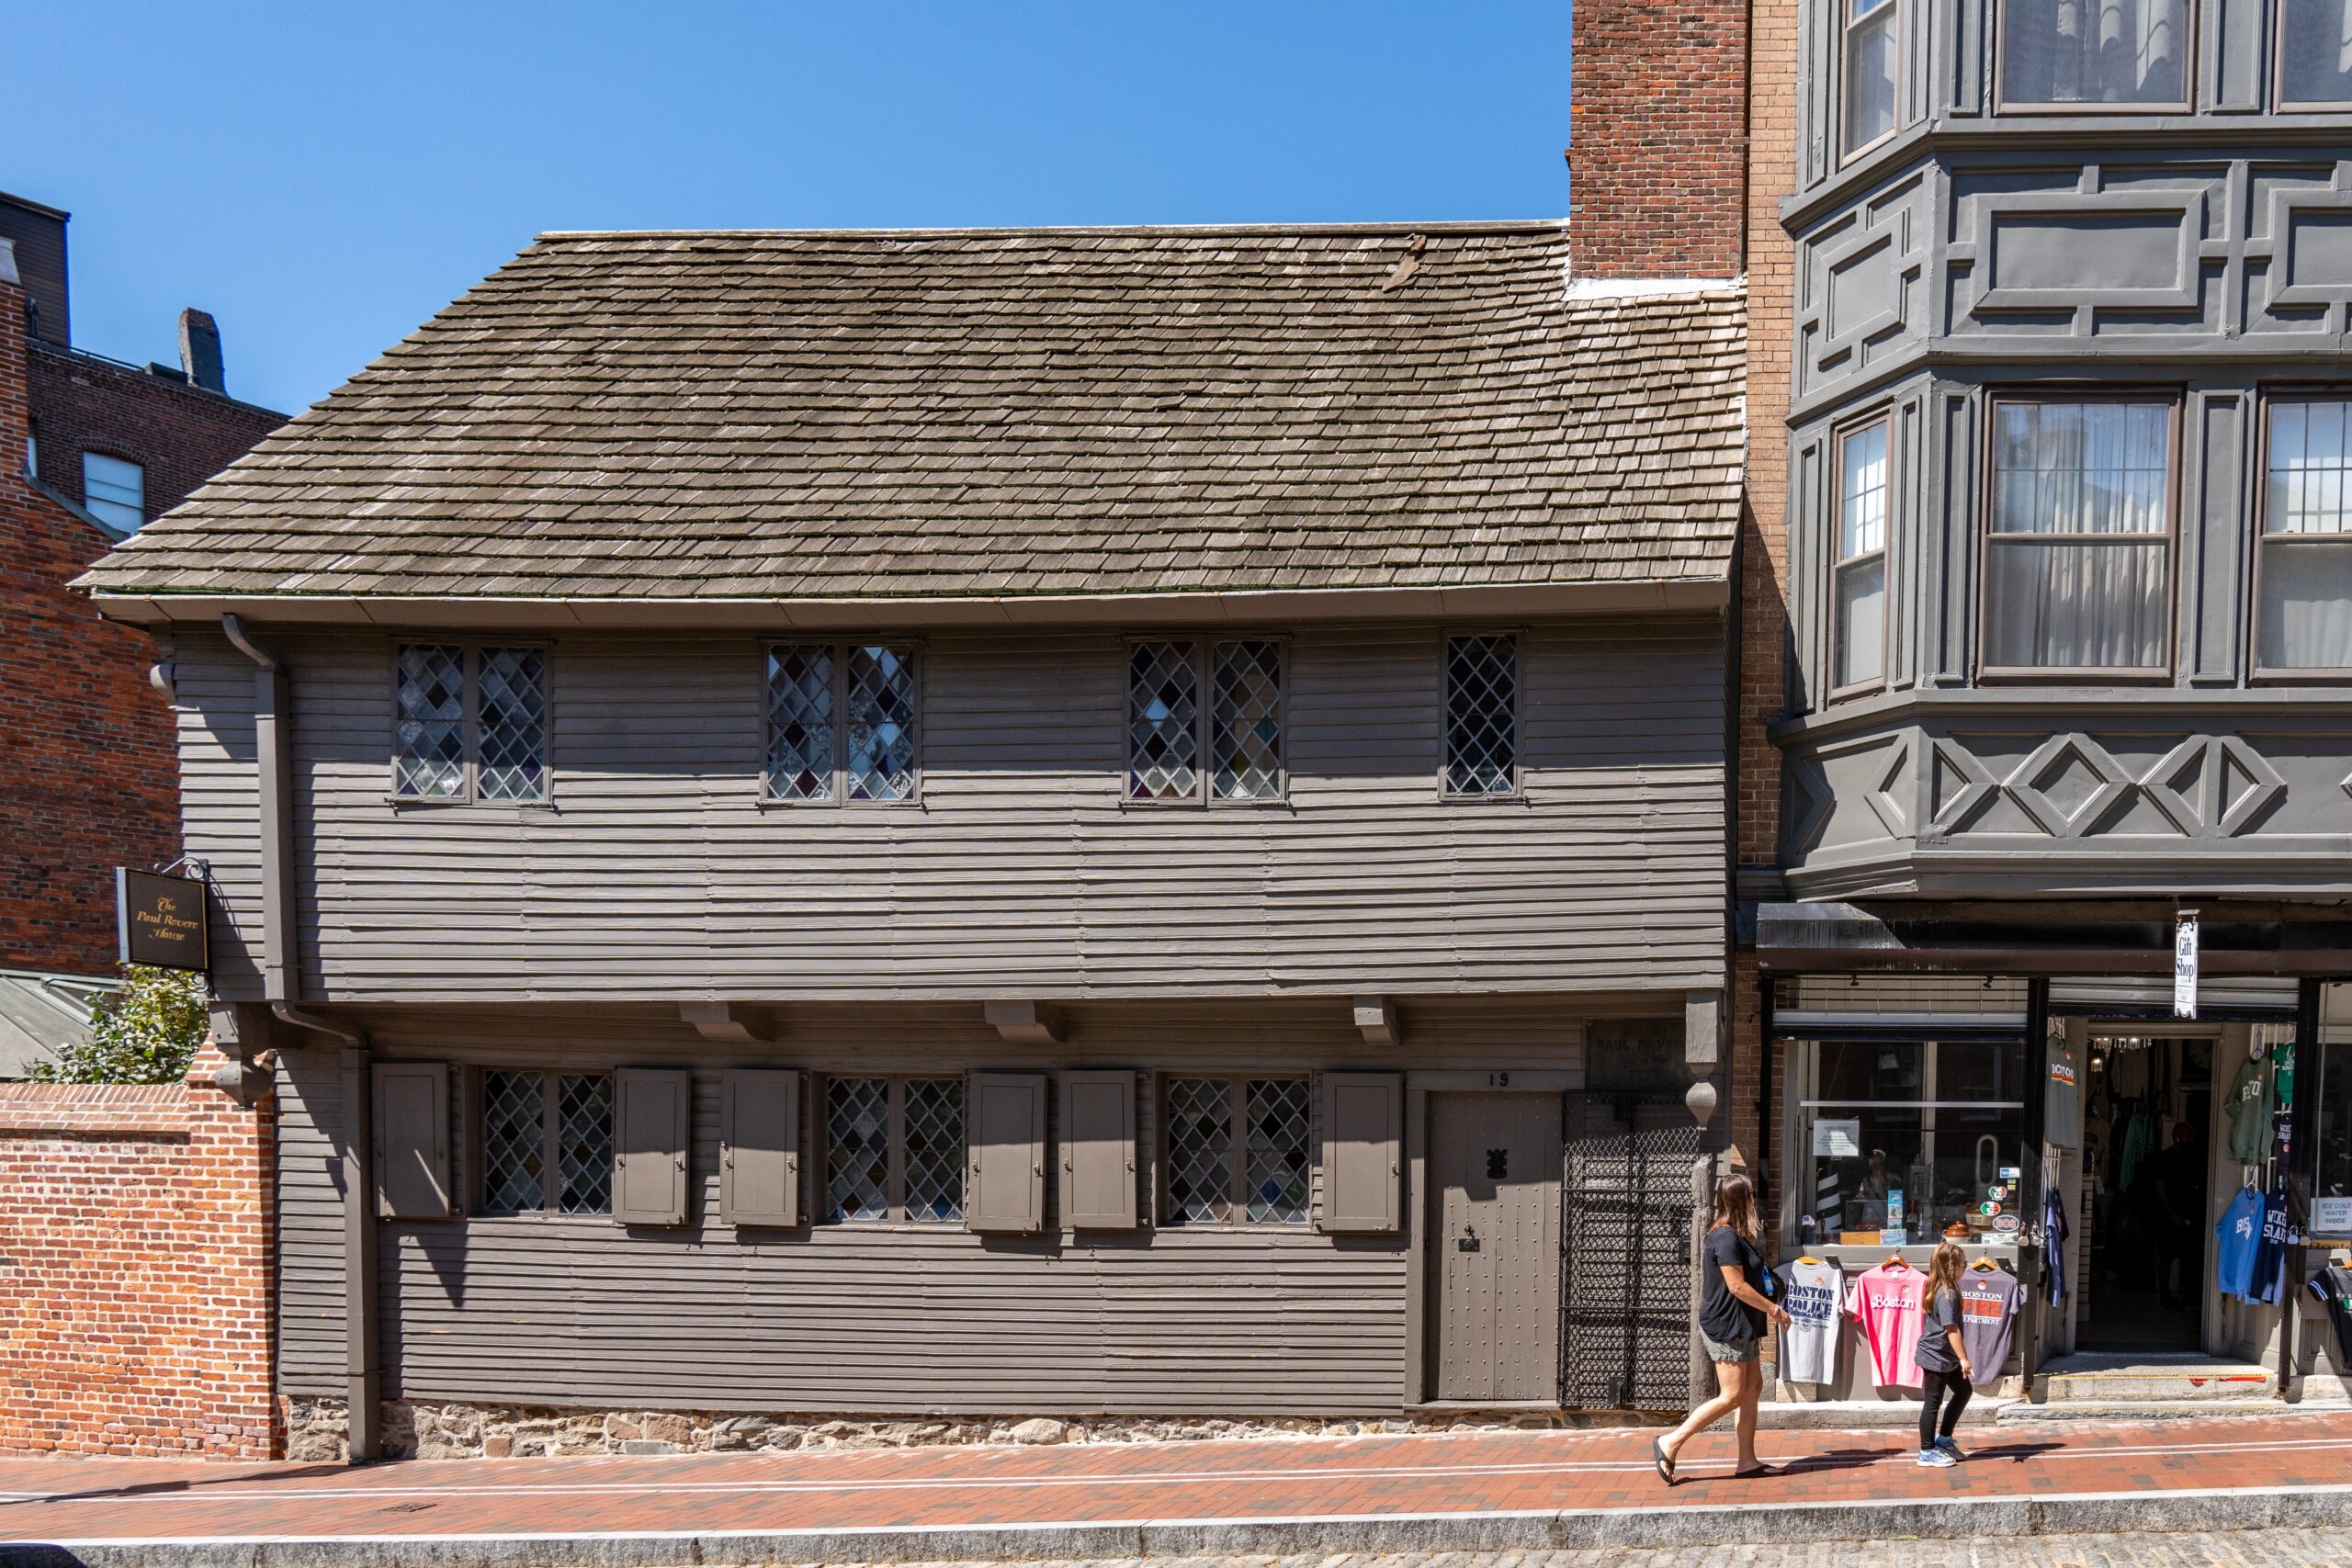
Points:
(2077, 568)
(1870, 71)
(2304, 618)
(2315, 54)
(2094, 51)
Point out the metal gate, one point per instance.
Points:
(1626, 1253)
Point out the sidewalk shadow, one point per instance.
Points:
(152, 1488)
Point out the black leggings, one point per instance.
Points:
(1939, 1384)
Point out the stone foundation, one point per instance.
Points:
(315, 1429)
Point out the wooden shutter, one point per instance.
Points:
(1363, 1152)
(759, 1133)
(1004, 1130)
(650, 1117)
(412, 1137)
(1099, 1151)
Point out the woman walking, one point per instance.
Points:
(1942, 1355)
(1733, 1311)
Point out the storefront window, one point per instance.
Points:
(2332, 1104)
(1914, 1137)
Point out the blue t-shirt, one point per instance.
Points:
(2240, 1235)
(2270, 1254)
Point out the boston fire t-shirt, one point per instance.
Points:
(1814, 1295)
(1988, 1318)
(1886, 1303)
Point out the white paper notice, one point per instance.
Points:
(1838, 1140)
(2332, 1218)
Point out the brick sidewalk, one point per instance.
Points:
(1456, 1479)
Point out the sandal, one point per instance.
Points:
(1752, 1474)
(1665, 1462)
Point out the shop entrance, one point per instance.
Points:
(2147, 1162)
(1494, 1161)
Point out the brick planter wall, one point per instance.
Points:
(135, 1270)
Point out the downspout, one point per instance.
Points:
(272, 766)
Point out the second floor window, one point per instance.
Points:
(1858, 626)
(1873, 65)
(114, 490)
(1204, 720)
(2314, 54)
(470, 723)
(2305, 619)
(1482, 714)
(2079, 552)
(2093, 54)
(841, 723)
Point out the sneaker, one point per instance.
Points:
(1950, 1448)
(1937, 1459)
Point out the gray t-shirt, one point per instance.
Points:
(1988, 1318)
(1934, 1353)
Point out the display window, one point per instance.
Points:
(2332, 1098)
(1906, 1141)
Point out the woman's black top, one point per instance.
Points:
(1722, 1315)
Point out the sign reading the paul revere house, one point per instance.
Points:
(160, 919)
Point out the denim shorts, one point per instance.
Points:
(1730, 1352)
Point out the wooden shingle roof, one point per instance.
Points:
(913, 415)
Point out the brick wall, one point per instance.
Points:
(1657, 133)
(179, 435)
(135, 1270)
(89, 777)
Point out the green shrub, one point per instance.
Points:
(146, 1032)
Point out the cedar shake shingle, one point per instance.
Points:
(992, 412)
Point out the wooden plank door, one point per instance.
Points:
(1495, 1161)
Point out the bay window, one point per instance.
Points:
(2078, 548)
(2093, 54)
(2303, 614)
(1872, 61)
(1858, 587)
(2314, 54)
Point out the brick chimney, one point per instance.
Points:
(1658, 138)
(200, 350)
(16, 409)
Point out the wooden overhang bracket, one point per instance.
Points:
(727, 1023)
(1023, 1024)
(1376, 1016)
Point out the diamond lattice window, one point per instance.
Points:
(514, 724)
(800, 724)
(934, 1124)
(1245, 727)
(1200, 1150)
(584, 1142)
(1163, 721)
(1481, 715)
(513, 1142)
(1277, 1150)
(857, 1148)
(881, 691)
(430, 754)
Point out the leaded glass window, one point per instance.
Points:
(1163, 721)
(842, 723)
(429, 761)
(1236, 1150)
(584, 1142)
(800, 723)
(1482, 714)
(1245, 722)
(513, 1142)
(881, 683)
(2304, 616)
(514, 724)
(934, 1141)
(857, 1148)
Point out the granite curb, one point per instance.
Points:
(1700, 1525)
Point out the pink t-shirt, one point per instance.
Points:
(1886, 1303)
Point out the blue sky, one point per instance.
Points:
(324, 176)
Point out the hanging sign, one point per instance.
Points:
(2184, 966)
(159, 921)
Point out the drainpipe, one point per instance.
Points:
(273, 759)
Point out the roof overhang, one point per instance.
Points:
(1484, 602)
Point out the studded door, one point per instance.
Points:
(1625, 1258)
(1494, 1168)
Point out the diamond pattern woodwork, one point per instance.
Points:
(1481, 715)
(432, 702)
(857, 1149)
(1163, 721)
(1199, 1114)
(513, 1142)
(1245, 730)
(514, 724)
(935, 1119)
(1278, 1158)
(584, 1142)
(881, 724)
(800, 724)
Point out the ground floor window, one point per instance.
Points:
(1236, 1150)
(894, 1150)
(2332, 1101)
(534, 1123)
(1905, 1141)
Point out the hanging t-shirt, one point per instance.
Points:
(2270, 1254)
(2239, 1233)
(2127, 1073)
(2333, 1287)
(2053, 1242)
(2249, 1114)
(1885, 1302)
(1816, 1293)
(1988, 1318)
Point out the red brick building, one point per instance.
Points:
(93, 447)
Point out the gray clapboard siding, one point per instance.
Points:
(910, 1318)
(656, 871)
(310, 1221)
